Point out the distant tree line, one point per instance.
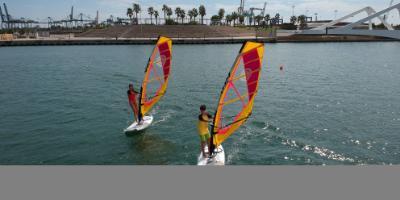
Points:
(299, 22)
(232, 19)
(180, 13)
(246, 18)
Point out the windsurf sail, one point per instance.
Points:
(156, 77)
(237, 96)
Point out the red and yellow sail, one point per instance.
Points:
(157, 74)
(237, 97)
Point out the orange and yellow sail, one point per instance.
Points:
(237, 96)
(157, 74)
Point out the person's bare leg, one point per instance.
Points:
(136, 112)
(203, 145)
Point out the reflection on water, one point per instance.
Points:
(149, 149)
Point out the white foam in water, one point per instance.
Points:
(233, 153)
(357, 142)
(323, 152)
(245, 133)
(331, 155)
(266, 126)
(369, 145)
(163, 118)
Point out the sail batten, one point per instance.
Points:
(240, 98)
(157, 74)
(238, 93)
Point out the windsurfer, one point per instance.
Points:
(132, 97)
(202, 126)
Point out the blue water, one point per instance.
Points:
(334, 104)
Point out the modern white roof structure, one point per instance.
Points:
(349, 29)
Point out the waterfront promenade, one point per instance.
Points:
(187, 34)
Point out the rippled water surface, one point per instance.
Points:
(334, 104)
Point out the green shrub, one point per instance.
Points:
(170, 22)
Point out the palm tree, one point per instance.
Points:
(251, 20)
(234, 17)
(221, 14)
(195, 13)
(129, 12)
(247, 15)
(258, 19)
(303, 22)
(202, 11)
(277, 18)
(191, 14)
(136, 10)
(156, 14)
(110, 19)
(241, 19)
(182, 15)
(169, 12)
(293, 19)
(165, 9)
(228, 19)
(267, 19)
(178, 12)
(150, 10)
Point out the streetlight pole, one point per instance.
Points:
(293, 6)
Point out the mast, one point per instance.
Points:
(140, 114)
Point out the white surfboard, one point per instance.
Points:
(135, 127)
(217, 159)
